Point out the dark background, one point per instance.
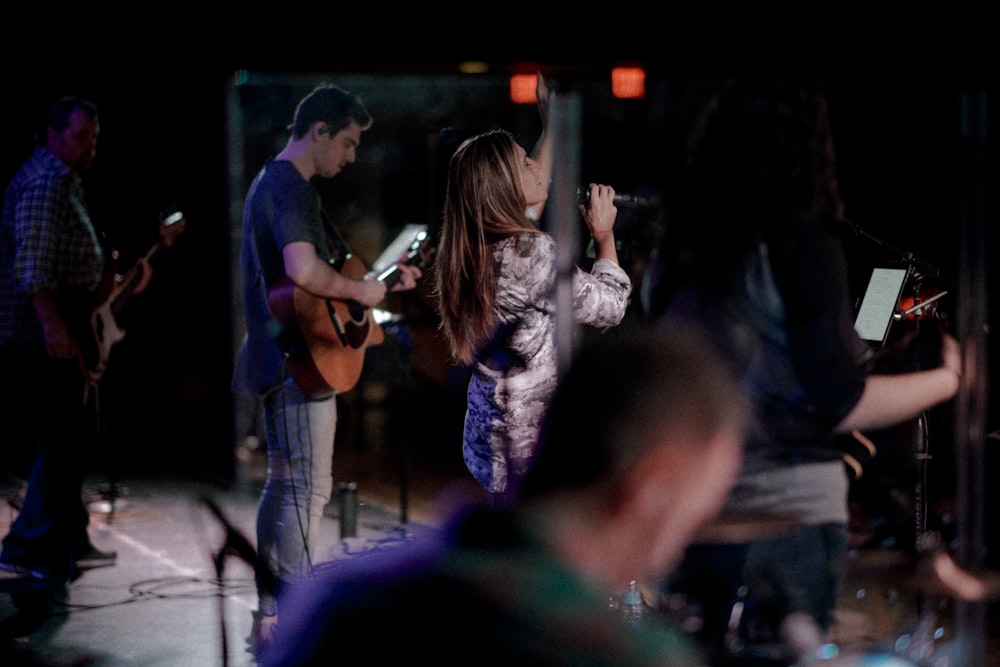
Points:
(194, 97)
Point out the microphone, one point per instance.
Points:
(621, 199)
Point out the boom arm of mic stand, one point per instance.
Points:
(926, 269)
(920, 306)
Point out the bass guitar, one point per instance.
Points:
(324, 340)
(97, 329)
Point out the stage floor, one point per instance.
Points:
(163, 604)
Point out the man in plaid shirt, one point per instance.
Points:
(51, 258)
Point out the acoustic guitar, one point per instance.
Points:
(324, 340)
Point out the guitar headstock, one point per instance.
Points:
(421, 250)
(172, 225)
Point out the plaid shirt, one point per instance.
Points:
(47, 241)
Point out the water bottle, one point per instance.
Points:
(631, 605)
(348, 509)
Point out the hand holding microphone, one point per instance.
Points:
(621, 199)
(599, 210)
(600, 213)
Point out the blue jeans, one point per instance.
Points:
(50, 531)
(800, 571)
(300, 435)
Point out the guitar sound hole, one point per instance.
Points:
(356, 310)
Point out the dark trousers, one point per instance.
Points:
(740, 593)
(51, 527)
(710, 580)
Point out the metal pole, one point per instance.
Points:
(971, 405)
(564, 123)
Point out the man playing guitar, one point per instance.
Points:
(52, 261)
(285, 238)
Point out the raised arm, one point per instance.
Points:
(542, 152)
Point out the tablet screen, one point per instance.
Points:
(879, 303)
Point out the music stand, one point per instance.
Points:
(879, 305)
(396, 325)
(880, 308)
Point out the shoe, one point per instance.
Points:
(96, 558)
(10, 571)
(261, 633)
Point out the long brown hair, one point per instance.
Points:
(483, 203)
(761, 161)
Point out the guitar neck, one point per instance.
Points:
(126, 287)
(392, 274)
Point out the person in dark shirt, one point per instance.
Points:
(289, 240)
(752, 256)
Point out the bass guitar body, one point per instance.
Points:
(94, 320)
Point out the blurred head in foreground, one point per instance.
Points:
(639, 447)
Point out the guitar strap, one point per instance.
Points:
(339, 252)
(336, 245)
(84, 215)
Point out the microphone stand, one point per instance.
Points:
(219, 560)
(396, 326)
(236, 543)
(108, 495)
(927, 269)
(925, 541)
